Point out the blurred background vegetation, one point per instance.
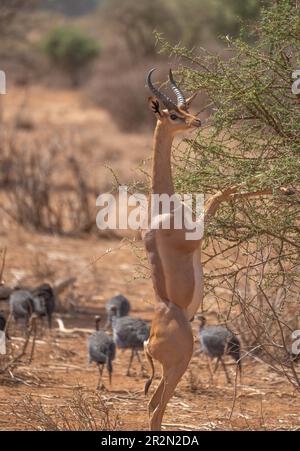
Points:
(58, 42)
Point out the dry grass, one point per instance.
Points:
(81, 412)
(265, 400)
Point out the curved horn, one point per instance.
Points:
(181, 102)
(160, 95)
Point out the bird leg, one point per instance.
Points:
(130, 362)
(225, 371)
(216, 365)
(238, 368)
(211, 378)
(100, 385)
(8, 321)
(41, 327)
(33, 327)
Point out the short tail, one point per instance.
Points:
(149, 381)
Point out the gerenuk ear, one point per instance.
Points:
(154, 106)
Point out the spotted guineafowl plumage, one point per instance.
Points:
(102, 350)
(44, 302)
(218, 341)
(21, 304)
(130, 333)
(121, 305)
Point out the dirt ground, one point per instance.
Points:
(103, 268)
(264, 400)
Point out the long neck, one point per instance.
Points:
(161, 170)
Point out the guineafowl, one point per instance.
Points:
(21, 304)
(122, 306)
(102, 350)
(218, 341)
(44, 302)
(41, 301)
(130, 333)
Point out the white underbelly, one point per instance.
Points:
(198, 287)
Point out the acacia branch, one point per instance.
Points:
(212, 204)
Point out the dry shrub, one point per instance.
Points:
(259, 301)
(30, 178)
(20, 57)
(24, 66)
(35, 200)
(81, 412)
(9, 9)
(265, 325)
